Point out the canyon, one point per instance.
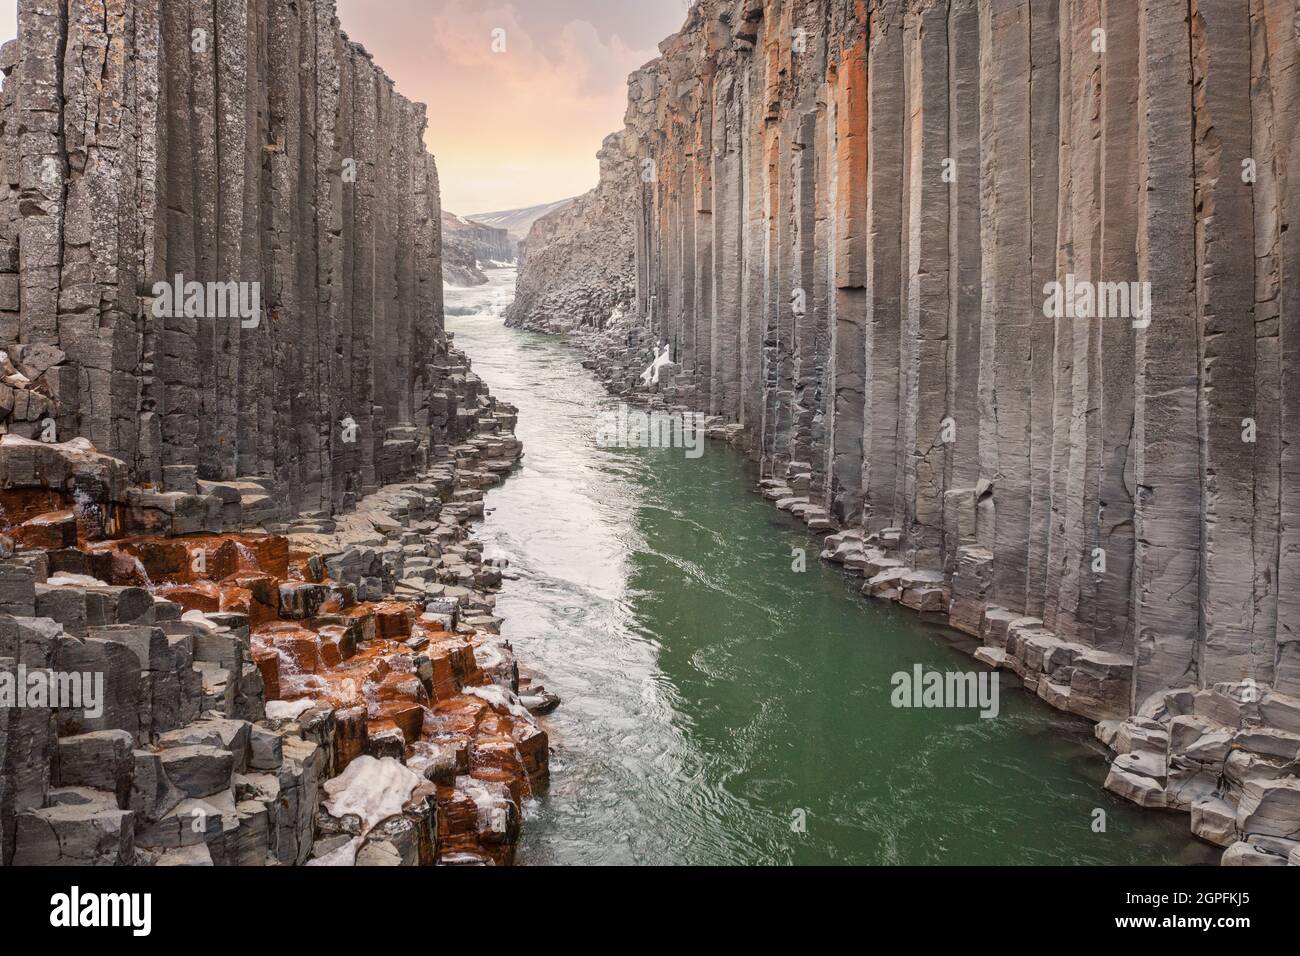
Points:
(993, 301)
(848, 221)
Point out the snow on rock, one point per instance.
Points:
(287, 709)
(500, 697)
(345, 855)
(198, 617)
(75, 580)
(371, 789)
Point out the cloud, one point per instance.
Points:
(522, 126)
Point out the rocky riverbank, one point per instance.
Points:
(469, 246)
(331, 694)
(241, 617)
(1227, 755)
(848, 217)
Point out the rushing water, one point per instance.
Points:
(714, 698)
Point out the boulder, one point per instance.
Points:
(199, 770)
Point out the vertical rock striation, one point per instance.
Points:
(221, 141)
(850, 220)
(221, 327)
(881, 200)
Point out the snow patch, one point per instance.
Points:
(371, 789)
(75, 580)
(500, 697)
(346, 855)
(198, 617)
(287, 709)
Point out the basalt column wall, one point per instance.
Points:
(220, 141)
(854, 219)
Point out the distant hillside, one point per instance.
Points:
(518, 221)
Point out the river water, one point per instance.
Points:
(720, 707)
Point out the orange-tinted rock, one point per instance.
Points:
(493, 724)
(351, 736)
(457, 820)
(298, 647)
(268, 662)
(120, 568)
(337, 644)
(362, 618)
(263, 586)
(496, 753)
(236, 600)
(534, 748)
(383, 681)
(393, 619)
(165, 561)
(198, 596)
(405, 716)
(401, 685)
(454, 667)
(47, 532)
(306, 567)
(300, 599)
(17, 505)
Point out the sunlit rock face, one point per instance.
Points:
(577, 265)
(990, 296)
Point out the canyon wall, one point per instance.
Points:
(848, 217)
(576, 267)
(174, 462)
(467, 243)
(222, 141)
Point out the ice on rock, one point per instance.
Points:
(345, 855)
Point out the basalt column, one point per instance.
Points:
(1010, 290)
(243, 148)
(849, 117)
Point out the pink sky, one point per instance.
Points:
(509, 129)
(521, 127)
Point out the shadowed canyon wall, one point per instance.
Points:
(222, 141)
(849, 215)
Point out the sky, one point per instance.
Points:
(513, 128)
(519, 127)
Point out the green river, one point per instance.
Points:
(720, 707)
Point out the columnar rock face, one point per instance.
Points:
(1006, 294)
(220, 329)
(1014, 284)
(221, 141)
(576, 266)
